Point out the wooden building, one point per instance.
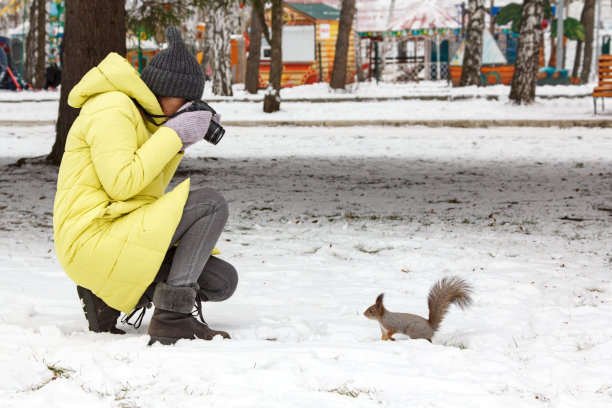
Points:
(148, 48)
(309, 45)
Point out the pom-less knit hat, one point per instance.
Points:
(174, 71)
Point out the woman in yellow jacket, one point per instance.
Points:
(114, 225)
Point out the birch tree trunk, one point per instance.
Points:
(526, 67)
(84, 48)
(358, 64)
(208, 42)
(472, 57)
(338, 76)
(224, 21)
(385, 46)
(34, 66)
(251, 82)
(588, 21)
(29, 64)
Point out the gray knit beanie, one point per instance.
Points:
(174, 71)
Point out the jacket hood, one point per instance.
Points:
(114, 73)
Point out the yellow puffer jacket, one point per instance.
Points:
(112, 221)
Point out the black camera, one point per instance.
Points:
(215, 131)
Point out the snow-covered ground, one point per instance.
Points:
(368, 89)
(323, 220)
(243, 107)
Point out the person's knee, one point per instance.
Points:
(219, 281)
(213, 198)
(231, 278)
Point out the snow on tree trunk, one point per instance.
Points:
(252, 75)
(224, 20)
(84, 48)
(272, 98)
(588, 21)
(472, 57)
(526, 67)
(338, 76)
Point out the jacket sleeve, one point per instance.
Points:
(123, 168)
(171, 167)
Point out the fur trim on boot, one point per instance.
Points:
(175, 298)
(172, 319)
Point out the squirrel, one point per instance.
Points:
(441, 295)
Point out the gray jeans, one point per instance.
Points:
(204, 216)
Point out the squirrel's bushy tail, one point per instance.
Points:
(443, 293)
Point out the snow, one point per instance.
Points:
(322, 220)
(383, 101)
(407, 14)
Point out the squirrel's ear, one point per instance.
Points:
(379, 301)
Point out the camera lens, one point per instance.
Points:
(215, 133)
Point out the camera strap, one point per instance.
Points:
(148, 116)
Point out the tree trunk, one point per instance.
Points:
(208, 42)
(577, 59)
(31, 46)
(385, 42)
(36, 42)
(338, 76)
(251, 82)
(41, 43)
(272, 98)
(224, 20)
(472, 57)
(92, 30)
(552, 60)
(526, 67)
(358, 62)
(492, 21)
(588, 21)
(541, 57)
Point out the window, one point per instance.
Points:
(298, 44)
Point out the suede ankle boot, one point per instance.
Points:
(172, 319)
(101, 317)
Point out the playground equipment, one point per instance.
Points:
(418, 36)
(495, 68)
(56, 30)
(7, 67)
(12, 53)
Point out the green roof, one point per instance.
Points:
(317, 11)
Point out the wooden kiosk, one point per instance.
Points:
(309, 45)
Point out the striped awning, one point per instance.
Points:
(408, 15)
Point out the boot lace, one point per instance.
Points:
(198, 312)
(138, 321)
